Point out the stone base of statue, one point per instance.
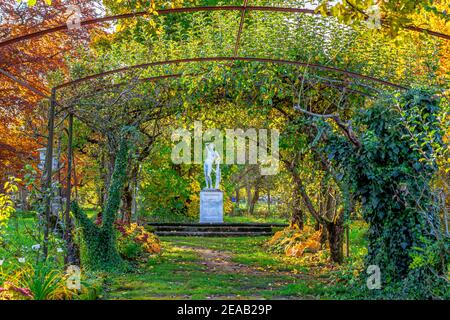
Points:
(211, 206)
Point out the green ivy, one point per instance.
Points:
(98, 244)
(392, 176)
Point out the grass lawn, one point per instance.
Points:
(223, 268)
(252, 219)
(17, 240)
(207, 268)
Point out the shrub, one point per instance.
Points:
(295, 242)
(135, 243)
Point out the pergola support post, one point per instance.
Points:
(48, 172)
(71, 257)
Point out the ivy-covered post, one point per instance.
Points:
(392, 174)
(98, 247)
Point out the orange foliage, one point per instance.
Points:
(438, 24)
(30, 61)
(295, 242)
(16, 149)
(149, 241)
(311, 244)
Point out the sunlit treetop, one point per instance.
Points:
(394, 14)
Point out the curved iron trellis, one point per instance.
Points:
(70, 109)
(101, 89)
(248, 59)
(64, 27)
(180, 75)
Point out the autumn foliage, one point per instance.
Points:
(33, 62)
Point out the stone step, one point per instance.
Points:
(210, 234)
(225, 224)
(214, 228)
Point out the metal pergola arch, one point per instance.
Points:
(243, 9)
(180, 75)
(226, 59)
(232, 59)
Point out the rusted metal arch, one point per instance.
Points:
(63, 27)
(232, 59)
(243, 8)
(180, 75)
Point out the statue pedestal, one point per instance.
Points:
(211, 206)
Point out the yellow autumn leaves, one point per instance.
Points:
(6, 203)
(149, 241)
(33, 2)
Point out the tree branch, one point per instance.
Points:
(345, 127)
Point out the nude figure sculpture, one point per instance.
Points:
(212, 157)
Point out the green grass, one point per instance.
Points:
(252, 219)
(16, 240)
(260, 215)
(179, 274)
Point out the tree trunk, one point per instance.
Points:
(335, 239)
(249, 196)
(255, 197)
(297, 213)
(102, 188)
(108, 175)
(128, 196)
(253, 202)
(24, 199)
(134, 201)
(127, 202)
(236, 207)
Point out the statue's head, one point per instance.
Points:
(210, 145)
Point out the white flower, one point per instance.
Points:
(1, 262)
(59, 250)
(21, 260)
(36, 247)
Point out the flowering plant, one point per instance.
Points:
(9, 291)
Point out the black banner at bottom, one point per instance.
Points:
(223, 309)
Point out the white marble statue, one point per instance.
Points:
(212, 157)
